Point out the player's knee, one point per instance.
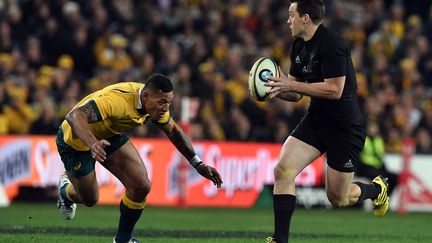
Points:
(282, 173)
(141, 188)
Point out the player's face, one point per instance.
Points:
(157, 103)
(295, 21)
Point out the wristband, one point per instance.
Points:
(195, 161)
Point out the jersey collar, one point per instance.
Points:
(140, 107)
(316, 34)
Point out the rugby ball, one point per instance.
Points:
(260, 71)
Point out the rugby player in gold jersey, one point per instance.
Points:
(94, 131)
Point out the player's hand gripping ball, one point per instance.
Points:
(260, 71)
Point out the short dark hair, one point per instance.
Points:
(314, 8)
(158, 82)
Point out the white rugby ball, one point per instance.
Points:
(260, 71)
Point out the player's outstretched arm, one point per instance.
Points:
(79, 119)
(183, 144)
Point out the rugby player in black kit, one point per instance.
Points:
(321, 67)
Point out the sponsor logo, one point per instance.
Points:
(265, 74)
(307, 69)
(77, 166)
(348, 164)
(14, 161)
(311, 58)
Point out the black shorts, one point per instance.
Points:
(343, 143)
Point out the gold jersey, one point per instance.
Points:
(118, 109)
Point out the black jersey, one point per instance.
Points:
(326, 55)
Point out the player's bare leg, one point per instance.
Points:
(85, 189)
(295, 155)
(126, 164)
(342, 192)
(82, 190)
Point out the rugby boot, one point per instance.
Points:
(270, 240)
(381, 203)
(65, 206)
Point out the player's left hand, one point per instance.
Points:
(281, 84)
(210, 173)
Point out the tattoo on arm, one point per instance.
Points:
(89, 111)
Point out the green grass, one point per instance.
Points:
(42, 223)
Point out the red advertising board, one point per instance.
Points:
(244, 167)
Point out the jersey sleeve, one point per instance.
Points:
(110, 106)
(163, 120)
(334, 53)
(295, 69)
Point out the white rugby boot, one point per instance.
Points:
(132, 240)
(67, 209)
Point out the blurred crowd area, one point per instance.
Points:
(53, 53)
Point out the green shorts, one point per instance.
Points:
(80, 163)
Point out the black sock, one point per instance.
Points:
(128, 219)
(367, 191)
(283, 208)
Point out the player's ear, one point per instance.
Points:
(305, 17)
(145, 95)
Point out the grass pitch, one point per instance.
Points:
(42, 223)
